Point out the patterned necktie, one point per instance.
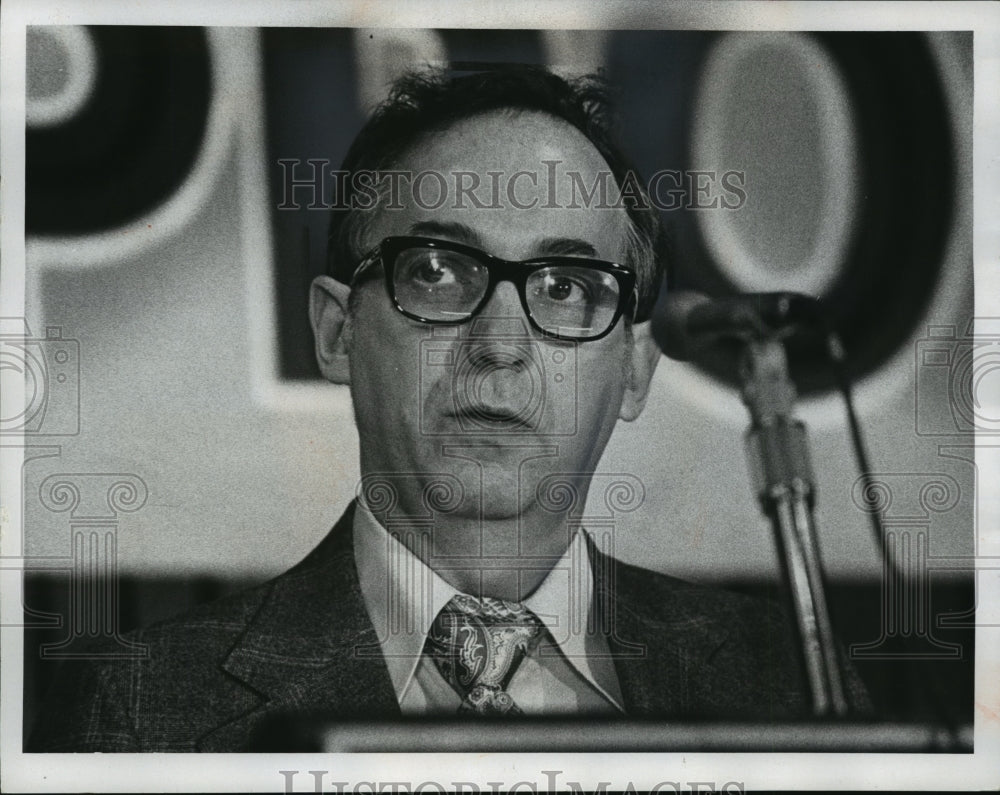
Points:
(477, 645)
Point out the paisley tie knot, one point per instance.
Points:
(477, 645)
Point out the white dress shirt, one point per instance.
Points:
(569, 672)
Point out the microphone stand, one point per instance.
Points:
(778, 453)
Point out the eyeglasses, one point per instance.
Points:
(438, 281)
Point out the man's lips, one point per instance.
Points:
(491, 416)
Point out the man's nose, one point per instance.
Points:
(502, 316)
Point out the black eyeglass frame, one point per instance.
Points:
(500, 270)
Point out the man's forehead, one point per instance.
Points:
(518, 184)
(507, 137)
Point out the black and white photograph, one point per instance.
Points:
(456, 397)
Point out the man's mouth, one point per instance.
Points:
(491, 417)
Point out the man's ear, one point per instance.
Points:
(645, 355)
(331, 324)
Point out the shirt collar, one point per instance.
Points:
(563, 601)
(403, 597)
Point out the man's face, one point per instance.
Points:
(491, 405)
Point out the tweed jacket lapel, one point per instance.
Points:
(311, 647)
(661, 645)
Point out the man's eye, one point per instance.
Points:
(566, 290)
(434, 271)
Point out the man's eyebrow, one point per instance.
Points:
(461, 233)
(452, 230)
(568, 246)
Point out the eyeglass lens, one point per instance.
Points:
(447, 286)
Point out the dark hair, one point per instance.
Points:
(422, 103)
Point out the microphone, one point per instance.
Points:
(691, 319)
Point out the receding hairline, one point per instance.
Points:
(507, 111)
(362, 220)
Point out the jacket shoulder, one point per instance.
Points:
(749, 660)
(158, 681)
(664, 597)
(724, 618)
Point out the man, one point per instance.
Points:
(491, 342)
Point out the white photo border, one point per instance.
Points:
(261, 772)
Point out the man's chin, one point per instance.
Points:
(497, 481)
(501, 501)
(499, 513)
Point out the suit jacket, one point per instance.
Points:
(304, 642)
